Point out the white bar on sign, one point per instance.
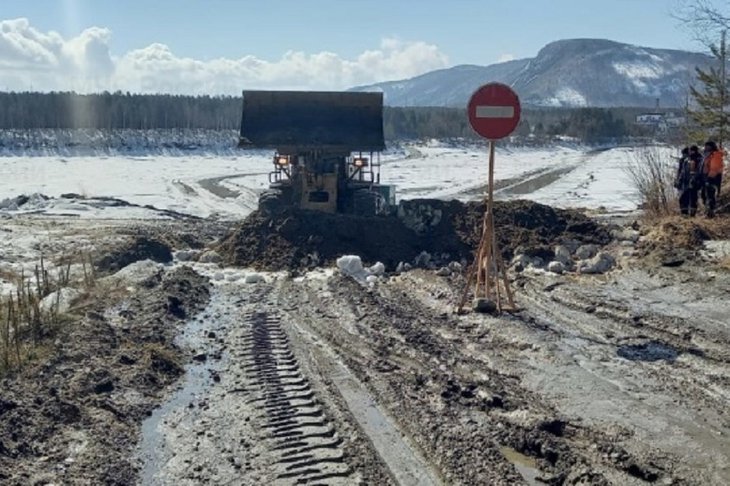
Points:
(495, 111)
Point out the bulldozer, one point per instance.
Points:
(327, 150)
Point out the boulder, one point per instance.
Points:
(484, 306)
(443, 272)
(584, 252)
(253, 278)
(556, 267)
(210, 256)
(563, 254)
(626, 234)
(601, 263)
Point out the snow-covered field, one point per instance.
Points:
(227, 186)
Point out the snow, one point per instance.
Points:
(351, 265)
(223, 186)
(181, 184)
(639, 70)
(566, 97)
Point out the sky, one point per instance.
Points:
(223, 46)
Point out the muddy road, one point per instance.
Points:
(309, 377)
(619, 379)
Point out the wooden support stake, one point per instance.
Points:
(488, 268)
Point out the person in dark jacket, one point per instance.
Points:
(687, 181)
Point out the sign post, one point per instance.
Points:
(494, 112)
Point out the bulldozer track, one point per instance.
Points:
(305, 444)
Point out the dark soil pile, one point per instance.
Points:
(140, 248)
(73, 418)
(447, 230)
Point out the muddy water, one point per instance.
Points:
(154, 450)
(525, 465)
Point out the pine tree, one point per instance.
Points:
(711, 115)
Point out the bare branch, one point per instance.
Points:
(704, 19)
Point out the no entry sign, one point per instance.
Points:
(494, 111)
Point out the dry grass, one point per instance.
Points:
(652, 175)
(688, 233)
(26, 322)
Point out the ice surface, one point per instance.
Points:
(228, 186)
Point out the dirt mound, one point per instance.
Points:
(674, 239)
(447, 230)
(140, 248)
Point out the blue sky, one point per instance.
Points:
(368, 40)
(468, 31)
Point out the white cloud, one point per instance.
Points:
(47, 61)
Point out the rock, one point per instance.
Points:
(253, 278)
(186, 255)
(556, 267)
(455, 267)
(200, 357)
(537, 262)
(210, 256)
(584, 252)
(419, 216)
(626, 234)
(601, 263)
(443, 272)
(572, 245)
(378, 269)
(523, 260)
(423, 260)
(563, 254)
(484, 306)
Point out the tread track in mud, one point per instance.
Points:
(305, 442)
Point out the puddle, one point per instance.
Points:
(525, 465)
(649, 351)
(154, 451)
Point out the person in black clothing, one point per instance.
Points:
(688, 180)
(695, 178)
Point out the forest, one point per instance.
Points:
(68, 110)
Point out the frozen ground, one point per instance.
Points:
(616, 379)
(227, 186)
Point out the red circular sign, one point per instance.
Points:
(494, 111)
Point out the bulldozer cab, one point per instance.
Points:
(327, 147)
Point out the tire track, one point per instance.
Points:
(305, 443)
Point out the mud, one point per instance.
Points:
(256, 410)
(74, 417)
(617, 379)
(446, 230)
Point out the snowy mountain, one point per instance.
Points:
(575, 72)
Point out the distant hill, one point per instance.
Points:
(571, 73)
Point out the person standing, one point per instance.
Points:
(694, 179)
(712, 167)
(686, 180)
